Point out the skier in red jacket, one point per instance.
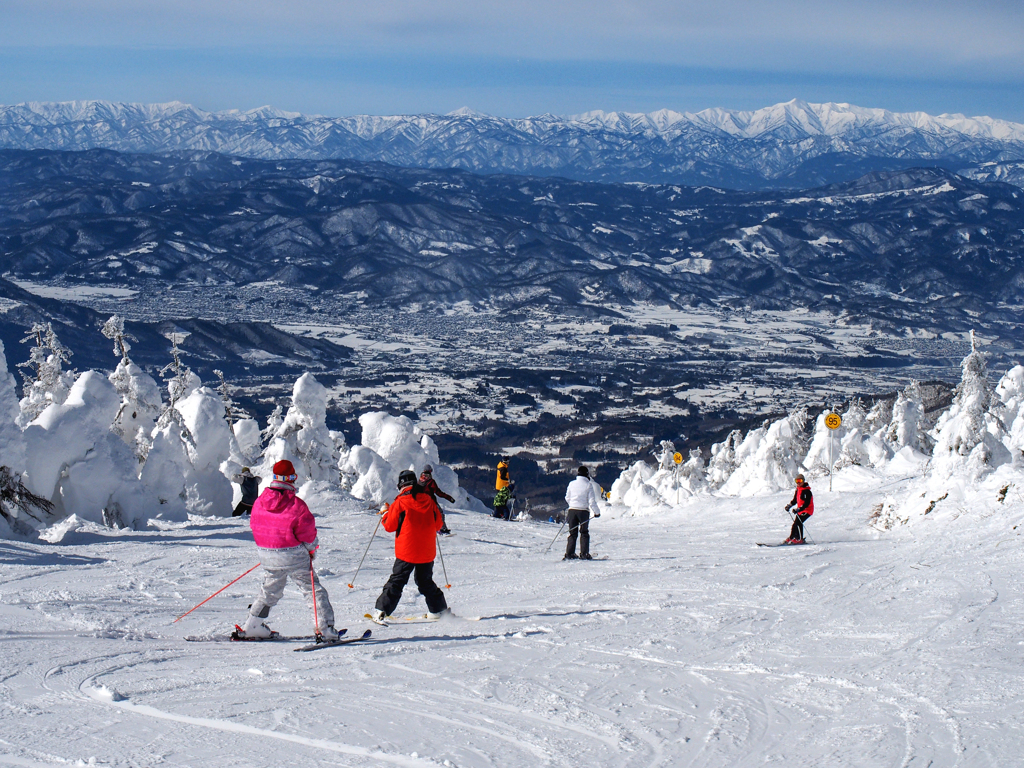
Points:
(430, 486)
(415, 519)
(803, 500)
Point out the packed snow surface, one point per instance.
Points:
(683, 643)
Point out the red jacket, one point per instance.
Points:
(420, 519)
(803, 500)
(430, 486)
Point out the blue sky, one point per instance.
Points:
(517, 57)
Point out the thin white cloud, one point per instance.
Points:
(865, 36)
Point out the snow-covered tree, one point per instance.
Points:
(248, 440)
(769, 456)
(233, 412)
(852, 449)
(388, 445)
(274, 422)
(693, 473)
(168, 459)
(46, 381)
(665, 454)
(303, 437)
(1010, 410)
(239, 423)
(907, 417)
(968, 437)
(633, 489)
(723, 459)
(181, 381)
(76, 462)
(824, 450)
(207, 490)
(140, 395)
(21, 511)
(878, 418)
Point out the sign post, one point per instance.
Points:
(833, 421)
(677, 457)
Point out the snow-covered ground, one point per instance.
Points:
(683, 644)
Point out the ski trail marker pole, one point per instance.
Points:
(352, 584)
(216, 593)
(447, 585)
(312, 587)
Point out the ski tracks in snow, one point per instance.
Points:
(676, 651)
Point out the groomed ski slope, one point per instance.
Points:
(687, 646)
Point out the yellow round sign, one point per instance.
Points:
(677, 458)
(833, 421)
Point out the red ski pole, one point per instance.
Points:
(216, 593)
(312, 586)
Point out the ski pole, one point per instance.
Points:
(216, 593)
(582, 522)
(447, 585)
(556, 537)
(312, 587)
(352, 584)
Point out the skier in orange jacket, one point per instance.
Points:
(415, 519)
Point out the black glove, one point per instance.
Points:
(597, 514)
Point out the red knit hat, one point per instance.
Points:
(284, 470)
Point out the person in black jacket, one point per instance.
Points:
(803, 500)
(250, 491)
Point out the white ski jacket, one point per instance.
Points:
(581, 495)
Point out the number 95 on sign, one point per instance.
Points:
(833, 421)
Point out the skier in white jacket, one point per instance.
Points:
(582, 500)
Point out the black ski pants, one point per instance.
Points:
(797, 532)
(424, 575)
(243, 508)
(578, 520)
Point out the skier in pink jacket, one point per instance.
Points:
(285, 532)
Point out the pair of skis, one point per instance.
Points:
(237, 637)
(387, 621)
(783, 544)
(419, 618)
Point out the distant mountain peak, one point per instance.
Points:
(466, 112)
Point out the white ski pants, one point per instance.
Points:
(278, 566)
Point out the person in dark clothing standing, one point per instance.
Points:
(429, 484)
(503, 501)
(250, 491)
(803, 500)
(415, 519)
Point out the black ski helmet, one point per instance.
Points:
(583, 472)
(406, 478)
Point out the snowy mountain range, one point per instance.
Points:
(790, 145)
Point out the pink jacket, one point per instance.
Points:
(281, 519)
